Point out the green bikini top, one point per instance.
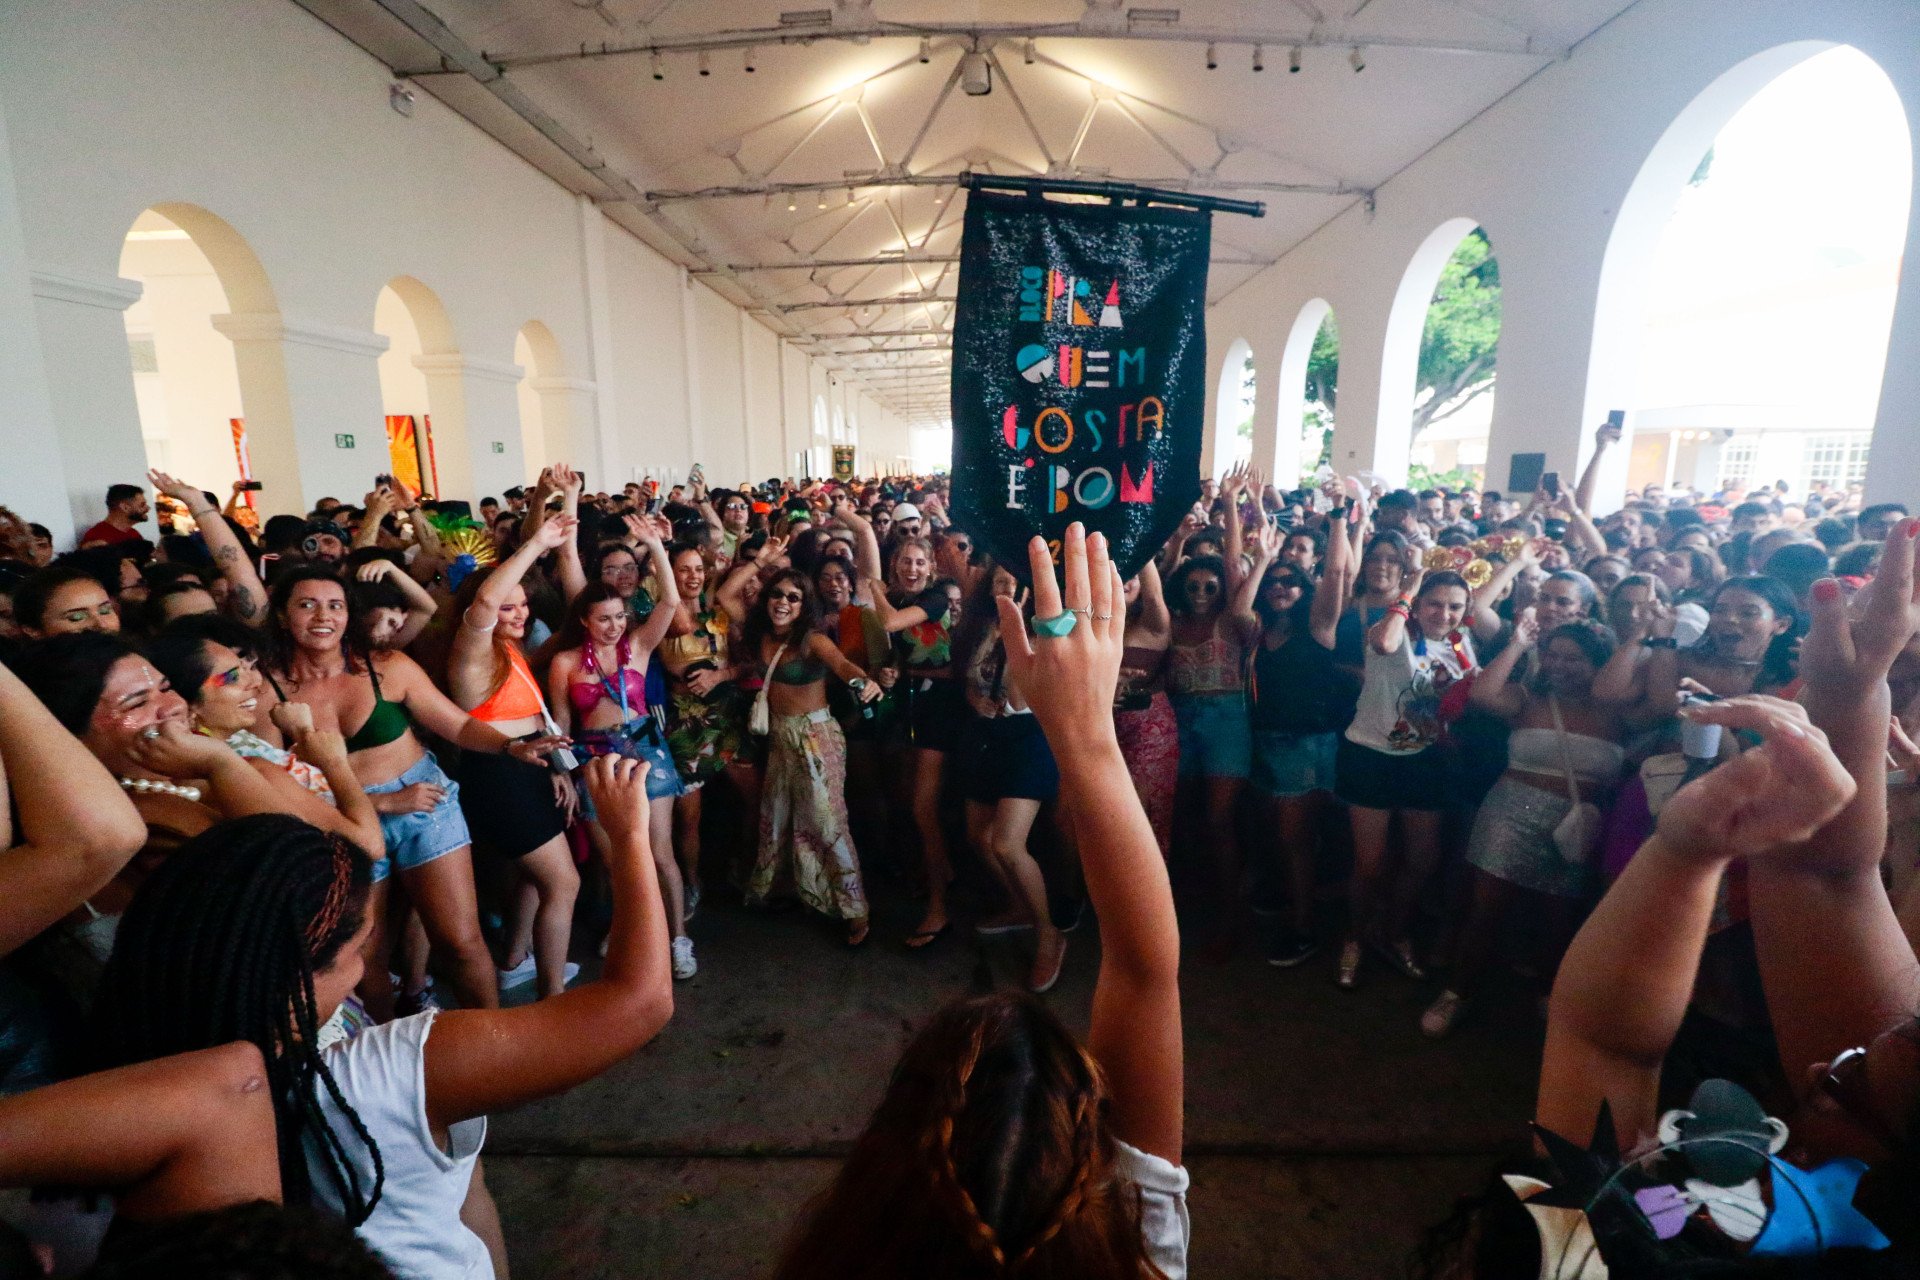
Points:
(384, 724)
(802, 670)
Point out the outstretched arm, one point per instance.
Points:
(77, 827)
(172, 1136)
(1605, 436)
(1069, 681)
(478, 1061)
(1626, 981)
(1837, 967)
(246, 596)
(421, 606)
(1495, 691)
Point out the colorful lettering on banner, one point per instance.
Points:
(1079, 372)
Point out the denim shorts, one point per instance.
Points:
(1286, 765)
(415, 839)
(1216, 740)
(1007, 758)
(637, 739)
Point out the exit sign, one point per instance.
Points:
(498, 447)
(343, 441)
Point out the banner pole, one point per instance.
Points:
(1116, 191)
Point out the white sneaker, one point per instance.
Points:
(573, 971)
(690, 902)
(684, 965)
(1440, 1016)
(520, 973)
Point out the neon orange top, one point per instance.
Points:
(518, 696)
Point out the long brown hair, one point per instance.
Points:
(989, 1156)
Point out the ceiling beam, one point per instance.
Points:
(857, 304)
(897, 179)
(916, 259)
(1312, 37)
(933, 332)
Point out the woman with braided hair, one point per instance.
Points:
(255, 932)
(1004, 1147)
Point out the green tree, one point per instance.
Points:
(1323, 364)
(1462, 335)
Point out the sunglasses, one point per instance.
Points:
(791, 597)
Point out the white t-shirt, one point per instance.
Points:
(416, 1227)
(1163, 1206)
(1399, 708)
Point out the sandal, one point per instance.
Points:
(857, 934)
(1059, 964)
(927, 937)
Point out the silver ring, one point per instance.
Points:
(1087, 612)
(1103, 617)
(150, 733)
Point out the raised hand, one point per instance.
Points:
(1849, 650)
(618, 788)
(567, 479)
(1266, 541)
(1526, 628)
(553, 534)
(374, 570)
(179, 490)
(1772, 796)
(1069, 681)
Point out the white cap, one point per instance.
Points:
(906, 511)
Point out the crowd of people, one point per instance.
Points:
(293, 804)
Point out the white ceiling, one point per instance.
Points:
(1110, 93)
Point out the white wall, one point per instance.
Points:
(254, 111)
(1548, 171)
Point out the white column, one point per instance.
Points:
(1267, 358)
(1362, 441)
(34, 483)
(476, 423)
(690, 377)
(89, 382)
(594, 435)
(566, 412)
(311, 391)
(1893, 465)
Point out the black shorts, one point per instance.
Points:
(509, 804)
(936, 713)
(1373, 779)
(1007, 758)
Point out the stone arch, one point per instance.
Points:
(544, 393)
(210, 378)
(1290, 457)
(1233, 399)
(1645, 210)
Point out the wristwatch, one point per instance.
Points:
(857, 683)
(1660, 642)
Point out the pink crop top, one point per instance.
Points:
(630, 693)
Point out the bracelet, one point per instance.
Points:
(1402, 609)
(1660, 642)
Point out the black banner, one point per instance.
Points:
(1079, 373)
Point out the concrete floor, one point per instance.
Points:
(1323, 1132)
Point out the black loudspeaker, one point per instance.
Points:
(1524, 471)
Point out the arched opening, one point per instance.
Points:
(1437, 365)
(212, 410)
(420, 389)
(1309, 383)
(1233, 409)
(543, 424)
(1748, 292)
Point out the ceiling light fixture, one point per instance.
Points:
(926, 50)
(659, 68)
(792, 204)
(1026, 54)
(822, 201)
(1358, 58)
(806, 18)
(1293, 60)
(705, 68)
(976, 74)
(1213, 58)
(747, 60)
(1259, 58)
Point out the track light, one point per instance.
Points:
(793, 205)
(1359, 59)
(976, 74)
(705, 68)
(1213, 58)
(1259, 58)
(822, 202)
(659, 68)
(926, 50)
(747, 60)
(1026, 54)
(1293, 61)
